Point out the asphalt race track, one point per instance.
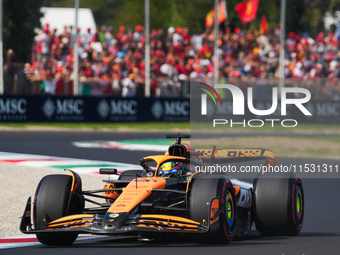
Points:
(320, 233)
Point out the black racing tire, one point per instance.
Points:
(279, 204)
(51, 203)
(205, 188)
(129, 175)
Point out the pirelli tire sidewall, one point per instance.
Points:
(205, 188)
(50, 203)
(278, 204)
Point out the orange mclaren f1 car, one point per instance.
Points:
(169, 196)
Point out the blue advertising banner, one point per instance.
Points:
(92, 109)
(114, 109)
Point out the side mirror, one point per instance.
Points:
(107, 171)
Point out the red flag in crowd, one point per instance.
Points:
(247, 10)
(221, 14)
(263, 25)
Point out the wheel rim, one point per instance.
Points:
(229, 209)
(298, 203)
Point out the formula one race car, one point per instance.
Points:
(168, 196)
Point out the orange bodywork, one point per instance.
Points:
(169, 218)
(73, 217)
(237, 189)
(168, 222)
(75, 223)
(73, 179)
(76, 220)
(135, 192)
(227, 153)
(112, 195)
(215, 206)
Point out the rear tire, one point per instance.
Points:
(50, 203)
(279, 204)
(204, 189)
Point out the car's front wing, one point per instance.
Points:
(93, 223)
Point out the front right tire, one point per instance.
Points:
(51, 203)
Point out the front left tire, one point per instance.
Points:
(203, 190)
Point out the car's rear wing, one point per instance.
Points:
(215, 155)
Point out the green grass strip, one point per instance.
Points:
(102, 126)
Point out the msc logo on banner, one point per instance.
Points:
(170, 110)
(118, 110)
(13, 109)
(64, 109)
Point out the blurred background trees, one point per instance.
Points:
(20, 18)
(303, 15)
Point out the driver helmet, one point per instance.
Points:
(171, 169)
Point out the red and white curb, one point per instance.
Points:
(18, 241)
(83, 166)
(28, 240)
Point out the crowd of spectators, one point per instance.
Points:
(112, 62)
